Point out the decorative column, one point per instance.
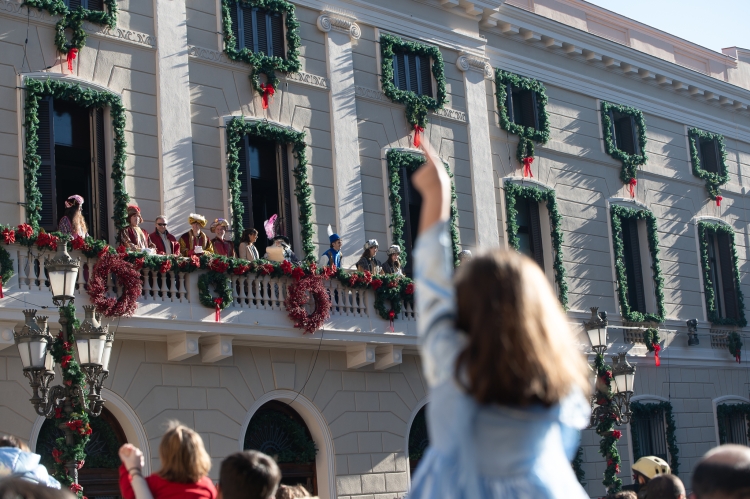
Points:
(476, 69)
(173, 106)
(340, 29)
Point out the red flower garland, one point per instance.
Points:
(128, 278)
(297, 298)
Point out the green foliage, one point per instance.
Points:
(281, 437)
(704, 229)
(512, 192)
(84, 97)
(605, 425)
(222, 285)
(262, 63)
(630, 162)
(526, 135)
(398, 159)
(73, 20)
(577, 465)
(236, 129)
(644, 410)
(417, 106)
(713, 179)
(651, 338)
(6, 266)
(726, 411)
(619, 213)
(734, 344)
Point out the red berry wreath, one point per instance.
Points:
(128, 278)
(297, 298)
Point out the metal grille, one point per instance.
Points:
(651, 433)
(736, 429)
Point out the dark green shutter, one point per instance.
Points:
(245, 192)
(412, 73)
(74, 4)
(528, 108)
(728, 285)
(285, 195)
(46, 177)
(399, 74)
(425, 76)
(634, 135)
(613, 129)
(636, 294)
(95, 5)
(709, 155)
(277, 35)
(101, 176)
(537, 247)
(509, 102)
(261, 25)
(236, 25)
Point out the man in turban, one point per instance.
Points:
(195, 241)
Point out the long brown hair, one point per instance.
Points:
(77, 222)
(520, 350)
(183, 457)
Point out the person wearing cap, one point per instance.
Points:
(393, 264)
(332, 256)
(164, 242)
(282, 242)
(368, 262)
(646, 469)
(133, 237)
(73, 222)
(221, 247)
(195, 241)
(464, 257)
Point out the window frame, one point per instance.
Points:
(417, 69)
(727, 409)
(714, 180)
(269, 29)
(643, 407)
(630, 162)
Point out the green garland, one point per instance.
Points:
(704, 228)
(605, 426)
(713, 179)
(280, 436)
(6, 266)
(618, 213)
(644, 410)
(514, 191)
(417, 106)
(734, 345)
(630, 162)
(262, 63)
(651, 338)
(236, 129)
(84, 97)
(725, 411)
(222, 285)
(73, 20)
(577, 465)
(398, 159)
(526, 135)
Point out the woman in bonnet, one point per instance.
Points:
(73, 222)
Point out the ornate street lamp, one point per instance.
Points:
(63, 274)
(624, 376)
(33, 339)
(596, 329)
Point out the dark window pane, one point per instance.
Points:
(625, 133)
(524, 108)
(411, 206)
(735, 426)
(537, 247)
(713, 267)
(651, 433)
(523, 220)
(728, 285)
(709, 155)
(102, 205)
(286, 226)
(633, 266)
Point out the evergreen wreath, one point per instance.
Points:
(526, 135)
(128, 278)
(630, 162)
(619, 213)
(398, 159)
(262, 63)
(714, 180)
(734, 345)
(222, 285)
(646, 410)
(38, 89)
(297, 298)
(704, 229)
(236, 129)
(605, 426)
(281, 437)
(726, 411)
(512, 192)
(651, 339)
(417, 106)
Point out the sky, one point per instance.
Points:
(714, 24)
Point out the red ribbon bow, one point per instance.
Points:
(632, 185)
(737, 355)
(527, 166)
(218, 302)
(718, 200)
(268, 91)
(71, 55)
(657, 349)
(391, 316)
(417, 130)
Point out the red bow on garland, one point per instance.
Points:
(657, 348)
(71, 55)
(417, 130)
(268, 91)
(738, 355)
(632, 185)
(527, 166)
(718, 200)
(218, 302)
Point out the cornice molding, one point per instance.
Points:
(338, 21)
(470, 62)
(378, 96)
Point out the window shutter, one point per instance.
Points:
(729, 288)
(46, 176)
(248, 29)
(635, 260)
(95, 5)
(261, 44)
(101, 176)
(709, 154)
(536, 233)
(413, 73)
(399, 74)
(425, 76)
(277, 35)
(535, 110)
(285, 196)
(74, 4)
(509, 102)
(245, 192)
(234, 14)
(626, 135)
(634, 136)
(613, 129)
(528, 108)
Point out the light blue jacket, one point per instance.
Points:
(21, 464)
(482, 451)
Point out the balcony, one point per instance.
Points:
(169, 311)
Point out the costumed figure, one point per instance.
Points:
(332, 256)
(195, 241)
(133, 237)
(281, 249)
(164, 242)
(221, 247)
(73, 222)
(248, 250)
(368, 262)
(393, 264)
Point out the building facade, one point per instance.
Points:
(633, 201)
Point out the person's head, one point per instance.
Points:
(723, 473)
(527, 357)
(464, 256)
(249, 236)
(248, 475)
(394, 253)
(183, 457)
(134, 216)
(648, 468)
(665, 487)
(334, 239)
(12, 441)
(281, 241)
(220, 227)
(161, 224)
(292, 492)
(197, 222)
(336, 245)
(371, 248)
(623, 494)
(73, 210)
(18, 488)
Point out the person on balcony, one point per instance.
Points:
(393, 264)
(248, 250)
(164, 242)
(221, 247)
(195, 241)
(73, 222)
(133, 237)
(368, 262)
(332, 256)
(281, 250)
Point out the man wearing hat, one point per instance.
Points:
(221, 247)
(393, 264)
(332, 257)
(133, 237)
(195, 241)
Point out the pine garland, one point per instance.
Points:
(84, 97)
(734, 345)
(398, 159)
(605, 426)
(726, 411)
(630, 162)
(645, 410)
(704, 229)
(262, 63)
(713, 180)
(577, 465)
(417, 106)
(512, 192)
(6, 266)
(619, 213)
(73, 20)
(526, 135)
(236, 129)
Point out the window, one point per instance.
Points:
(734, 426)
(258, 30)
(721, 274)
(522, 107)
(633, 265)
(530, 230)
(649, 434)
(625, 132)
(72, 150)
(412, 73)
(411, 207)
(419, 439)
(86, 4)
(708, 152)
(265, 187)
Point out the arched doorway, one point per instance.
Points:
(279, 431)
(99, 476)
(419, 439)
